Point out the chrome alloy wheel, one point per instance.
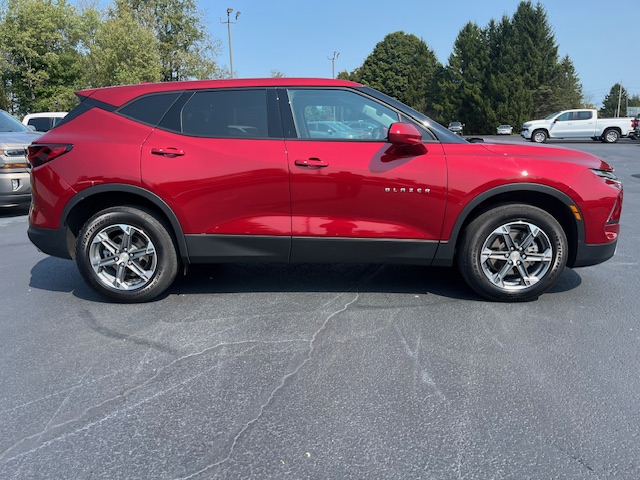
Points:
(123, 257)
(516, 256)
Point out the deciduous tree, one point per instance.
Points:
(39, 42)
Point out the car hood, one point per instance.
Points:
(534, 122)
(18, 138)
(546, 153)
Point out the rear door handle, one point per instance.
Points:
(311, 163)
(167, 152)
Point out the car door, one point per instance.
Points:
(573, 124)
(217, 161)
(360, 198)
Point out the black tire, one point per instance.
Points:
(539, 136)
(610, 135)
(516, 267)
(127, 254)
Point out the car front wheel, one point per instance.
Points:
(127, 254)
(512, 253)
(539, 136)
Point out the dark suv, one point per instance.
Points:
(140, 181)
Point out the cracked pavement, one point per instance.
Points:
(321, 371)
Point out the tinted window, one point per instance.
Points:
(564, 117)
(584, 115)
(9, 124)
(339, 115)
(226, 113)
(41, 124)
(150, 108)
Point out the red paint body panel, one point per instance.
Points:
(358, 193)
(221, 186)
(477, 168)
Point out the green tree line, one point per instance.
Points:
(505, 73)
(51, 48)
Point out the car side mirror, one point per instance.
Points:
(406, 138)
(404, 134)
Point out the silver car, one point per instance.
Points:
(504, 130)
(15, 183)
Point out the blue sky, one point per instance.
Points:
(297, 38)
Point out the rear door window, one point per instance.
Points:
(226, 114)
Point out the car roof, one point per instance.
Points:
(118, 95)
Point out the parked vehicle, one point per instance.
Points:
(331, 129)
(141, 181)
(15, 187)
(456, 127)
(43, 121)
(635, 134)
(504, 130)
(582, 123)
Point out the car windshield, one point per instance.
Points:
(10, 124)
(552, 115)
(454, 124)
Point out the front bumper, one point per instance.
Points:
(15, 189)
(587, 255)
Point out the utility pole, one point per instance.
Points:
(229, 23)
(619, 99)
(333, 62)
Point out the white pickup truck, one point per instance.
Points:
(582, 123)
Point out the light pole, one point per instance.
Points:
(333, 62)
(229, 22)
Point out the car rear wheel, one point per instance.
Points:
(512, 253)
(610, 136)
(539, 136)
(127, 254)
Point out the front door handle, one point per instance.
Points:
(167, 152)
(311, 163)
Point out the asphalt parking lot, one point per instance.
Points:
(322, 371)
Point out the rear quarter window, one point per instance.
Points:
(149, 109)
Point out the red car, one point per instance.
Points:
(140, 181)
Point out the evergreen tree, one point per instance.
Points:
(463, 82)
(401, 65)
(614, 103)
(563, 92)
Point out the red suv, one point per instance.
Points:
(140, 181)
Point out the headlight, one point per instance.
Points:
(608, 174)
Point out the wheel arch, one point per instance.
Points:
(547, 198)
(618, 130)
(94, 199)
(541, 129)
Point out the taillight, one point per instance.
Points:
(41, 154)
